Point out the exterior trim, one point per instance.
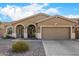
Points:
(55, 26)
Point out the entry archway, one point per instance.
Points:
(31, 31)
(20, 31)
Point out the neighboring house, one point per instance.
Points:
(43, 26)
(2, 29)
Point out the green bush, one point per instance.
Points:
(20, 46)
(8, 37)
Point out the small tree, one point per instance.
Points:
(9, 30)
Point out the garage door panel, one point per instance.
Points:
(55, 33)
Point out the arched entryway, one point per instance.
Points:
(20, 31)
(31, 31)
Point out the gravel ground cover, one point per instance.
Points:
(36, 48)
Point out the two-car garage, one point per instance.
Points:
(56, 32)
(56, 27)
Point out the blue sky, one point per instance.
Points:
(15, 11)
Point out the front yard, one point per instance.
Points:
(36, 48)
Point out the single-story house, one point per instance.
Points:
(42, 26)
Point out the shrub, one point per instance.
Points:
(20, 46)
(8, 37)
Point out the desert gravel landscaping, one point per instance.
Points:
(36, 48)
(42, 48)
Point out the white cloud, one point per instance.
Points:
(17, 13)
(52, 11)
(45, 4)
(72, 16)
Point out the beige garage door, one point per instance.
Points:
(55, 33)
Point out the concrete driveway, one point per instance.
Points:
(61, 47)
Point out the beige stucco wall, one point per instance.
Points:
(31, 20)
(57, 22)
(26, 22)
